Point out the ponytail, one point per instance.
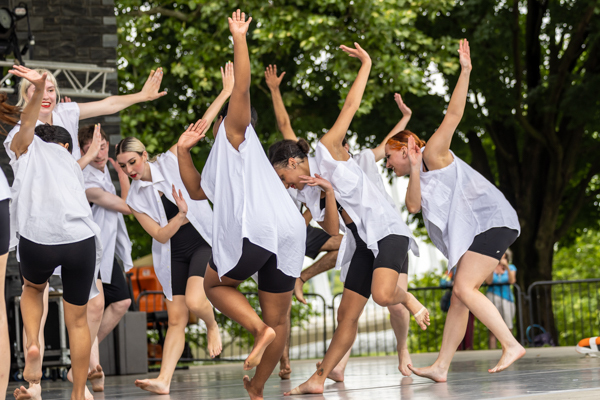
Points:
(282, 151)
(8, 114)
(400, 140)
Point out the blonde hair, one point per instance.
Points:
(134, 145)
(25, 84)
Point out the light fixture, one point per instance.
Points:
(9, 43)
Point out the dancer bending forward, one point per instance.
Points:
(257, 227)
(378, 240)
(467, 218)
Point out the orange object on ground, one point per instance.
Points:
(588, 345)
(144, 279)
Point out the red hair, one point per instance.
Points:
(8, 114)
(400, 140)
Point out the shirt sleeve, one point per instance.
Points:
(89, 180)
(512, 267)
(8, 141)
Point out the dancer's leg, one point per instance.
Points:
(173, 348)
(4, 339)
(198, 303)
(285, 369)
(32, 300)
(79, 345)
(225, 297)
(351, 307)
(400, 319)
(472, 270)
(275, 311)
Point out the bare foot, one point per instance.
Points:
(420, 313)
(336, 374)
(255, 394)
(311, 386)
(404, 361)
(96, 378)
(153, 386)
(434, 373)
(298, 292)
(261, 342)
(88, 394)
(509, 356)
(34, 392)
(214, 341)
(285, 371)
(33, 365)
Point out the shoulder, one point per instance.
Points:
(68, 111)
(512, 267)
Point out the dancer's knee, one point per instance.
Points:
(398, 311)
(457, 298)
(383, 298)
(197, 304)
(347, 317)
(121, 307)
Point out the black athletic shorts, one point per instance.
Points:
(78, 261)
(315, 239)
(4, 226)
(393, 254)
(256, 259)
(117, 290)
(189, 256)
(494, 242)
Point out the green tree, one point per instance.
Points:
(190, 40)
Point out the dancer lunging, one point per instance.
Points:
(55, 229)
(467, 218)
(257, 225)
(379, 241)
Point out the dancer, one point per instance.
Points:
(317, 240)
(257, 224)
(380, 239)
(8, 115)
(473, 234)
(108, 210)
(65, 236)
(367, 161)
(68, 114)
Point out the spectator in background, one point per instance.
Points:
(501, 295)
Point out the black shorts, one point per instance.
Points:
(494, 242)
(117, 290)
(315, 239)
(393, 254)
(189, 256)
(78, 261)
(256, 259)
(4, 226)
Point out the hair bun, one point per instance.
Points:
(303, 146)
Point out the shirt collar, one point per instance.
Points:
(157, 176)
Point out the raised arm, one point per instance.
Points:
(30, 114)
(334, 137)
(437, 153)
(379, 151)
(238, 114)
(123, 179)
(108, 200)
(283, 119)
(94, 149)
(413, 192)
(189, 174)
(215, 107)
(114, 104)
(165, 233)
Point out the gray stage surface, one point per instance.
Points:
(549, 373)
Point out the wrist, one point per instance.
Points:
(466, 70)
(227, 92)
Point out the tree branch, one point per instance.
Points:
(167, 12)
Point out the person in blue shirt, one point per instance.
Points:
(501, 295)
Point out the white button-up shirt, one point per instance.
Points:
(251, 202)
(144, 197)
(458, 204)
(49, 205)
(115, 239)
(65, 115)
(4, 188)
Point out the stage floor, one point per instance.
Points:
(549, 373)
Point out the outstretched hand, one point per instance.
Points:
(228, 78)
(406, 112)
(415, 157)
(116, 166)
(192, 135)
(96, 142)
(464, 53)
(273, 81)
(317, 180)
(39, 81)
(180, 201)
(152, 86)
(65, 99)
(357, 52)
(238, 26)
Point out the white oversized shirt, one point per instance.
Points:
(374, 216)
(113, 231)
(250, 202)
(65, 115)
(458, 204)
(144, 197)
(49, 205)
(4, 188)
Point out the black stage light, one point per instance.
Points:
(9, 43)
